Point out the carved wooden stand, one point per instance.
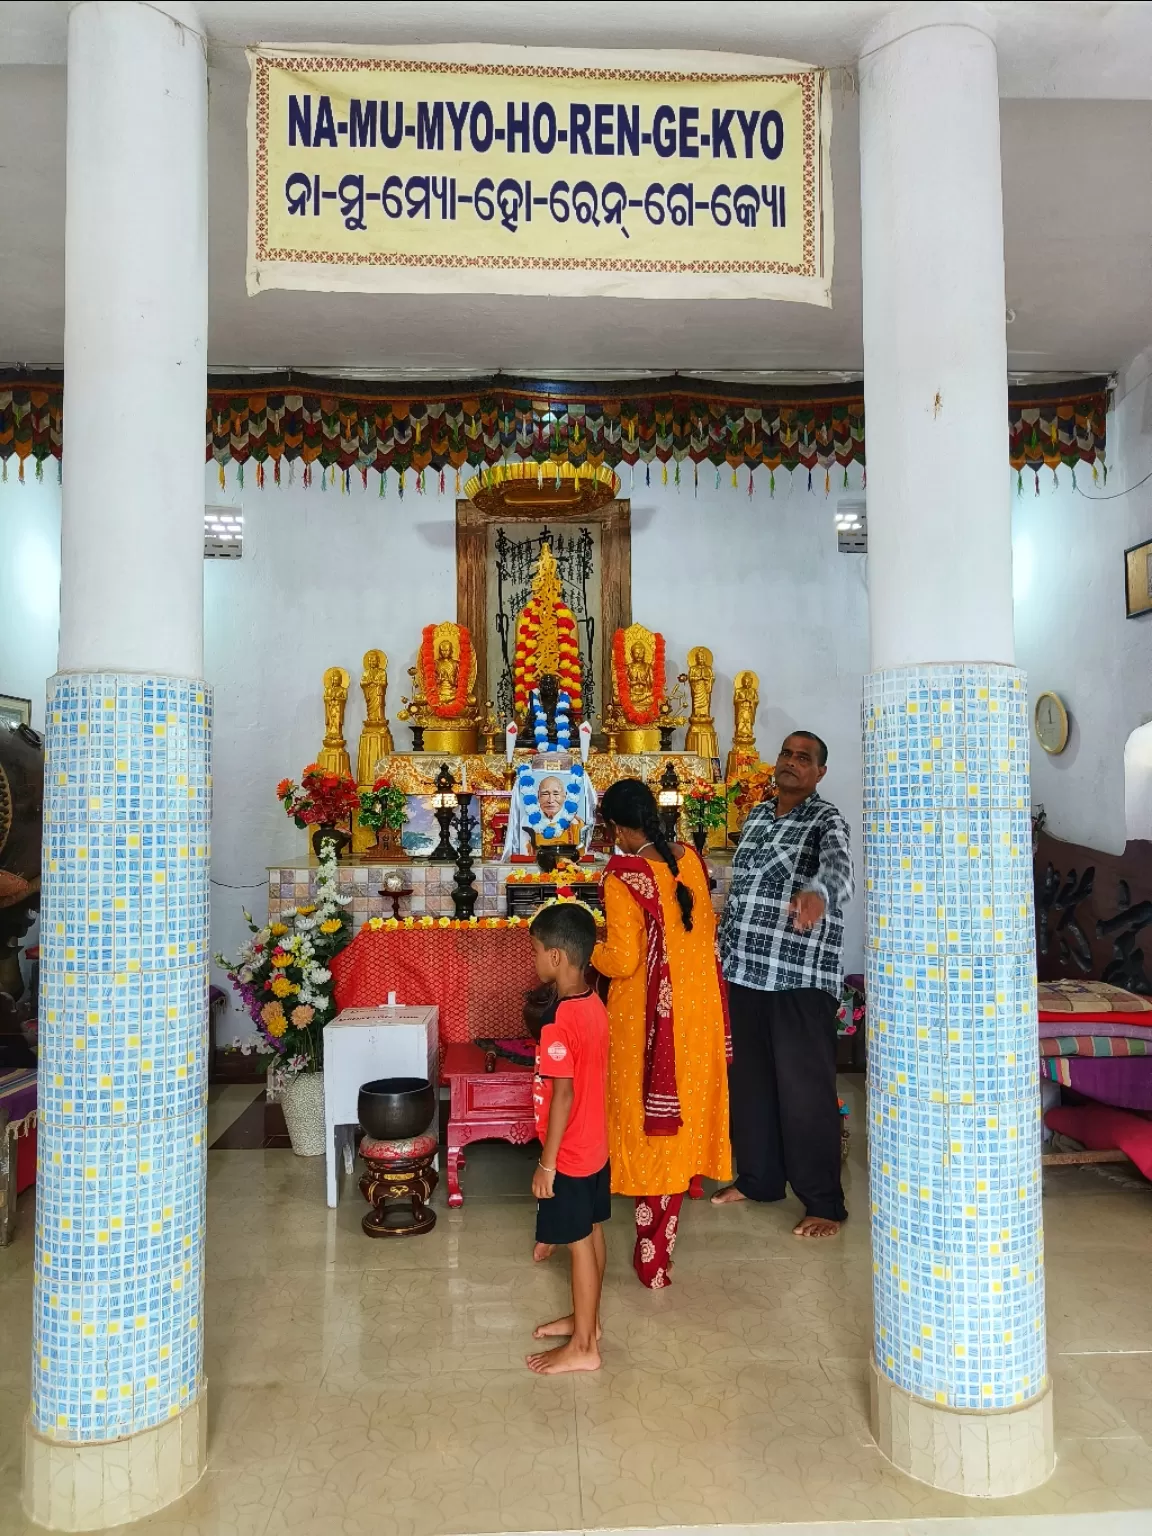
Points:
(398, 1171)
(486, 1106)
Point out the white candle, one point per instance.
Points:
(463, 777)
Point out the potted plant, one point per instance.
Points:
(384, 808)
(705, 808)
(321, 800)
(284, 980)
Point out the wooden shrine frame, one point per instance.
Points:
(472, 524)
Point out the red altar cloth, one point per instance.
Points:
(477, 977)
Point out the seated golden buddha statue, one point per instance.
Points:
(443, 711)
(639, 687)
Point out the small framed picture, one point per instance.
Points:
(14, 711)
(1138, 579)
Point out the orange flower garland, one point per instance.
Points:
(525, 676)
(428, 669)
(632, 714)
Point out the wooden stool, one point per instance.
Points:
(398, 1170)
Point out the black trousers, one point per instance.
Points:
(782, 1091)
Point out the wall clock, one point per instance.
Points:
(1051, 719)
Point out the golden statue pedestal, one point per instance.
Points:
(636, 739)
(461, 740)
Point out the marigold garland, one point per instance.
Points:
(428, 668)
(633, 715)
(525, 675)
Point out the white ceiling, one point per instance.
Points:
(1078, 205)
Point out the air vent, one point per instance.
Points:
(852, 527)
(223, 533)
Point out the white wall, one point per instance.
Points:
(326, 575)
(1071, 632)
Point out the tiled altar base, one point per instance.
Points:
(365, 1386)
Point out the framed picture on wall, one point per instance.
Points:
(1138, 579)
(14, 711)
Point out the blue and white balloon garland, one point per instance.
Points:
(540, 722)
(530, 800)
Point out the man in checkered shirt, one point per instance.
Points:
(781, 938)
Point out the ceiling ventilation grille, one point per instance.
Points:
(852, 527)
(223, 533)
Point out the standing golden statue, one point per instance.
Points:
(745, 702)
(701, 736)
(375, 737)
(333, 756)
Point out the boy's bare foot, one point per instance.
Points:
(542, 1251)
(729, 1196)
(816, 1226)
(562, 1328)
(556, 1362)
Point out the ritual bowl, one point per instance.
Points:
(396, 1108)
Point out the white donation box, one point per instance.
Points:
(360, 1045)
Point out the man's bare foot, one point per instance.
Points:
(555, 1362)
(816, 1226)
(562, 1328)
(542, 1252)
(729, 1196)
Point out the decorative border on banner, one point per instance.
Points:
(808, 81)
(348, 425)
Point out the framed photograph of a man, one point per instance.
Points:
(550, 808)
(1138, 579)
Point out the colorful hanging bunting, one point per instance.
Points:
(342, 425)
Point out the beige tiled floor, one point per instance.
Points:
(360, 1386)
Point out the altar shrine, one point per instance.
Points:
(517, 727)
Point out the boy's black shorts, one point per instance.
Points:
(576, 1206)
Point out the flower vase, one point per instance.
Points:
(303, 1105)
(329, 832)
(699, 838)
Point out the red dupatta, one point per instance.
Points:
(661, 1099)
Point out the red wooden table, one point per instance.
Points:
(486, 1106)
(477, 977)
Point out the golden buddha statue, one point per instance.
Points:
(375, 737)
(333, 755)
(447, 672)
(640, 680)
(638, 688)
(443, 703)
(745, 702)
(701, 737)
(546, 645)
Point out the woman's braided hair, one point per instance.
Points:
(630, 803)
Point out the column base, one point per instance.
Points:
(85, 1486)
(982, 1455)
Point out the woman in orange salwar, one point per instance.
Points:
(667, 1075)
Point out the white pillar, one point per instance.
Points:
(135, 338)
(117, 1422)
(961, 1397)
(936, 367)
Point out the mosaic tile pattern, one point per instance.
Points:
(123, 1064)
(292, 885)
(953, 1079)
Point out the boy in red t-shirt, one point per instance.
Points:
(571, 1182)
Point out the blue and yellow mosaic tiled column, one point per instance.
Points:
(954, 1103)
(123, 1056)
